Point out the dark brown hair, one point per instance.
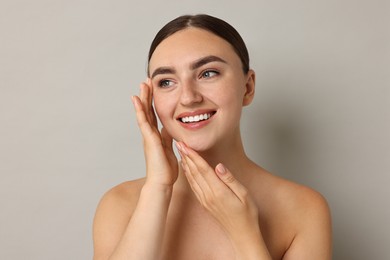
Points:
(209, 23)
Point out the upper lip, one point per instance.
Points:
(196, 113)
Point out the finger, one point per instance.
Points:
(198, 175)
(142, 119)
(144, 94)
(205, 183)
(199, 194)
(150, 87)
(187, 171)
(212, 179)
(229, 180)
(145, 97)
(198, 164)
(149, 101)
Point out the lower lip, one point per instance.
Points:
(196, 125)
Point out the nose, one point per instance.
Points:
(190, 94)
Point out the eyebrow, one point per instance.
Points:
(163, 70)
(195, 65)
(202, 61)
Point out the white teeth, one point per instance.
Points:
(196, 118)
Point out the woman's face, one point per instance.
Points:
(199, 88)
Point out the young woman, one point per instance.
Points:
(213, 202)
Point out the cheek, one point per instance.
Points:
(232, 88)
(231, 101)
(232, 96)
(162, 108)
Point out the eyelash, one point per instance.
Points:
(162, 83)
(202, 75)
(166, 83)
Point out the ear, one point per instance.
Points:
(249, 88)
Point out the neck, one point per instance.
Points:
(231, 154)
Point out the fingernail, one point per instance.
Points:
(221, 169)
(184, 149)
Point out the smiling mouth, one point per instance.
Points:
(197, 118)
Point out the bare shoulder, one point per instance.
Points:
(310, 215)
(300, 199)
(113, 214)
(288, 195)
(302, 211)
(122, 197)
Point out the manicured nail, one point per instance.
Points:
(184, 149)
(221, 169)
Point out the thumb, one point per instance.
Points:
(229, 180)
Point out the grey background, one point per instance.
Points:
(321, 114)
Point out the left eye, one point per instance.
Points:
(209, 74)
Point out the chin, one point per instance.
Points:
(196, 144)
(198, 147)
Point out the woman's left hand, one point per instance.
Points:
(228, 201)
(219, 192)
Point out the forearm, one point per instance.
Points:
(143, 236)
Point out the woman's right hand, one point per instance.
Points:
(161, 162)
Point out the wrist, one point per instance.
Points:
(153, 187)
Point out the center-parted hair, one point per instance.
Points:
(209, 23)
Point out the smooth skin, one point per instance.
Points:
(213, 202)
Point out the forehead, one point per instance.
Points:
(188, 45)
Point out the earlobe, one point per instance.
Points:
(249, 88)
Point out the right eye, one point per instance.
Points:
(165, 83)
